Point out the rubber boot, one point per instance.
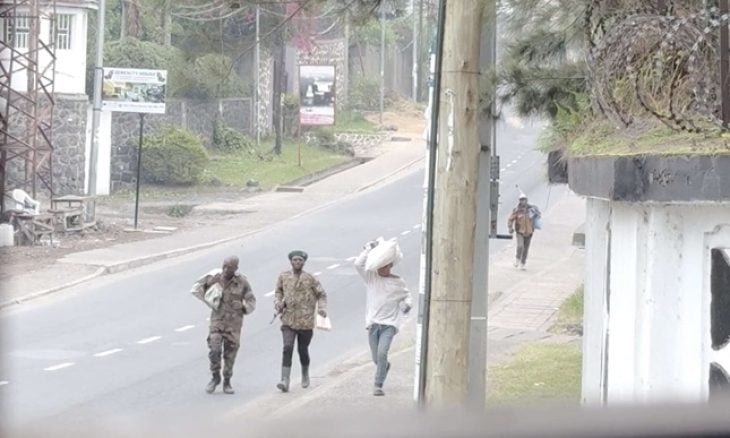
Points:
(284, 384)
(305, 377)
(227, 388)
(214, 382)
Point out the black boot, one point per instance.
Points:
(215, 381)
(305, 376)
(284, 384)
(227, 388)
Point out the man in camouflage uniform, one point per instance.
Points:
(224, 335)
(298, 296)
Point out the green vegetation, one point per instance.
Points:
(601, 138)
(355, 122)
(539, 371)
(570, 315)
(228, 140)
(269, 170)
(364, 93)
(173, 156)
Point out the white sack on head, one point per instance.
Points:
(385, 253)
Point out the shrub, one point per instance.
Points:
(290, 105)
(365, 93)
(173, 156)
(226, 139)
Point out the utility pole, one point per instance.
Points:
(455, 207)
(414, 85)
(98, 72)
(346, 75)
(382, 61)
(480, 270)
(257, 92)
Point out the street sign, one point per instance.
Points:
(316, 95)
(133, 90)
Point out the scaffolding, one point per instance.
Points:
(27, 72)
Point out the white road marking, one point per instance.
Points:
(184, 328)
(351, 259)
(59, 366)
(108, 352)
(3, 382)
(150, 339)
(503, 169)
(317, 274)
(513, 162)
(405, 233)
(270, 294)
(417, 226)
(336, 265)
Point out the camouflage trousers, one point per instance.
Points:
(222, 345)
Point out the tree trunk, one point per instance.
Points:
(279, 68)
(166, 23)
(131, 20)
(454, 213)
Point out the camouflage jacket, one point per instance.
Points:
(302, 295)
(238, 300)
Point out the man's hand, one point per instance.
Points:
(372, 244)
(322, 313)
(511, 231)
(406, 309)
(279, 307)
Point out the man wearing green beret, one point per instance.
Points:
(298, 297)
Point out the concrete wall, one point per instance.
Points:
(647, 302)
(70, 77)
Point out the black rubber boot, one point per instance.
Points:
(284, 384)
(305, 377)
(214, 382)
(227, 388)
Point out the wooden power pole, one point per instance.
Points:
(455, 206)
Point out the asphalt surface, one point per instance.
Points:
(132, 345)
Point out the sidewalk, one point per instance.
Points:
(253, 214)
(526, 304)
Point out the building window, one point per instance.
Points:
(17, 30)
(63, 31)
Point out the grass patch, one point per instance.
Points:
(354, 122)
(601, 138)
(235, 169)
(570, 315)
(539, 371)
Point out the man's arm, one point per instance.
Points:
(321, 295)
(363, 257)
(249, 299)
(511, 221)
(407, 302)
(279, 295)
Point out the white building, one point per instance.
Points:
(71, 18)
(657, 278)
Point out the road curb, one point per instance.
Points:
(99, 272)
(390, 175)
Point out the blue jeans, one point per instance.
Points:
(380, 336)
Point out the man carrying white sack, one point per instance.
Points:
(388, 301)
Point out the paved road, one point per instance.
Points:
(133, 344)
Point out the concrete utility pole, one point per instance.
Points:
(480, 270)
(256, 94)
(96, 118)
(382, 61)
(725, 64)
(455, 207)
(414, 87)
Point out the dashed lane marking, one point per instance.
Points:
(150, 339)
(184, 328)
(60, 366)
(336, 265)
(3, 382)
(108, 352)
(405, 233)
(317, 274)
(270, 294)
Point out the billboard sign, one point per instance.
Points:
(133, 90)
(316, 95)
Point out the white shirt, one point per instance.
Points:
(385, 296)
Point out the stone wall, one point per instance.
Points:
(266, 91)
(197, 116)
(68, 138)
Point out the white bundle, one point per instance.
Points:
(385, 253)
